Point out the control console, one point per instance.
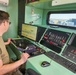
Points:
(24, 45)
(70, 50)
(62, 61)
(54, 39)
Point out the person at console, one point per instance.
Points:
(7, 68)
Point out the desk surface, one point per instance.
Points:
(53, 69)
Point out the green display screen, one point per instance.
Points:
(29, 31)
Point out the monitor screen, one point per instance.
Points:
(32, 32)
(63, 19)
(29, 31)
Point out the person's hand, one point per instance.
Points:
(8, 41)
(24, 57)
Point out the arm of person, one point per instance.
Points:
(10, 67)
(8, 41)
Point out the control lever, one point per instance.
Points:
(29, 49)
(13, 40)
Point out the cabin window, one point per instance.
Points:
(66, 19)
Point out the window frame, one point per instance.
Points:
(57, 12)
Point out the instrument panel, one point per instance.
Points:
(24, 45)
(70, 50)
(54, 39)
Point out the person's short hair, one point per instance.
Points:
(3, 16)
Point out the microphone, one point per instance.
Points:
(29, 49)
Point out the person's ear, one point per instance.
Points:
(4, 23)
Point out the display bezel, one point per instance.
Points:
(39, 32)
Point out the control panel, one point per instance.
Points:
(54, 39)
(24, 45)
(62, 61)
(70, 50)
(68, 56)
